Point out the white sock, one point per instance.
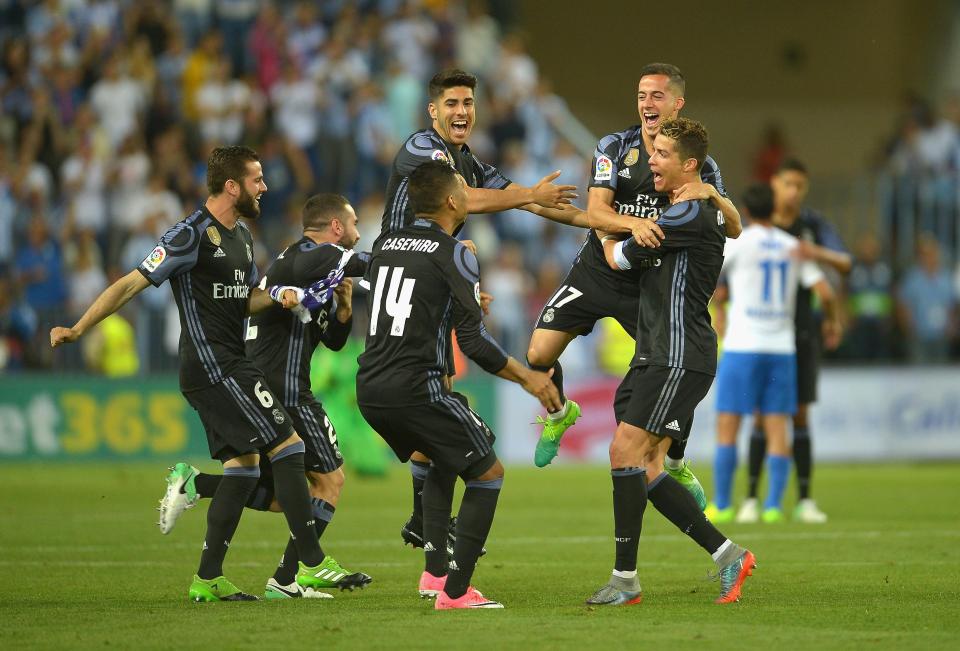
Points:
(559, 415)
(724, 547)
(674, 464)
(624, 574)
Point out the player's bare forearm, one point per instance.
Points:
(258, 301)
(112, 299)
(570, 216)
(484, 200)
(842, 262)
(535, 383)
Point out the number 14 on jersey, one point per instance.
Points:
(397, 300)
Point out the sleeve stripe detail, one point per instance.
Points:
(676, 215)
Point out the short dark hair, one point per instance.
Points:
(667, 70)
(321, 209)
(792, 165)
(450, 78)
(691, 138)
(226, 163)
(429, 186)
(758, 200)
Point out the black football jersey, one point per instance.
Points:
(211, 271)
(419, 148)
(423, 283)
(278, 342)
(621, 163)
(812, 227)
(673, 325)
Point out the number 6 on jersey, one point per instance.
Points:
(398, 300)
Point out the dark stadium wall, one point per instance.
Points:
(832, 74)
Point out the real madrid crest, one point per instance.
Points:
(214, 235)
(632, 157)
(548, 315)
(249, 253)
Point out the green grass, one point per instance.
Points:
(82, 565)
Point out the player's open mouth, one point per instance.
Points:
(657, 178)
(650, 119)
(458, 128)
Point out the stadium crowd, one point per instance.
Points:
(110, 108)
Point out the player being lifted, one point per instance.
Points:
(758, 370)
(281, 344)
(208, 259)
(622, 199)
(424, 284)
(672, 368)
(452, 113)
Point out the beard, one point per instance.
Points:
(247, 205)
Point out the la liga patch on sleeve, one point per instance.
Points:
(155, 259)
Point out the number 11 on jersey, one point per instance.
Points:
(397, 303)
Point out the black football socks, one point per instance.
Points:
(223, 516)
(437, 504)
(477, 509)
(629, 503)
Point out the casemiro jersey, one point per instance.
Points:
(419, 148)
(423, 283)
(278, 342)
(762, 274)
(621, 163)
(211, 271)
(673, 326)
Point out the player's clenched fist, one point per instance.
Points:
(61, 335)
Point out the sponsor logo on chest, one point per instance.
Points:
(238, 290)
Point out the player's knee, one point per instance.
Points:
(326, 485)
(488, 468)
(292, 443)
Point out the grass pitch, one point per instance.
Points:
(83, 566)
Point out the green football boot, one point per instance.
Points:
(329, 574)
(181, 494)
(218, 589)
(549, 443)
(688, 480)
(772, 515)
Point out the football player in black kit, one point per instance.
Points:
(672, 369)
(452, 112)
(621, 199)
(281, 344)
(208, 259)
(425, 283)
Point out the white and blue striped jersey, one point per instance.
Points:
(763, 271)
(211, 271)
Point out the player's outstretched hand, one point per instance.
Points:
(647, 233)
(549, 195)
(485, 301)
(60, 335)
(470, 244)
(539, 385)
(832, 333)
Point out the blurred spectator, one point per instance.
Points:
(86, 276)
(516, 71)
(197, 68)
(40, 272)
(509, 284)
(927, 305)
(375, 145)
(767, 159)
(235, 19)
(541, 113)
(18, 325)
(193, 17)
(267, 45)
(870, 300)
(222, 105)
(307, 34)
(84, 177)
(477, 42)
(409, 39)
(118, 101)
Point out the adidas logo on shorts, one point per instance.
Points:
(674, 425)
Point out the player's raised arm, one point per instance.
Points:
(110, 300)
(545, 193)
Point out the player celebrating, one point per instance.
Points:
(622, 199)
(758, 370)
(281, 344)
(208, 259)
(425, 283)
(452, 114)
(672, 369)
(819, 242)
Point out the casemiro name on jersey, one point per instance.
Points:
(416, 245)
